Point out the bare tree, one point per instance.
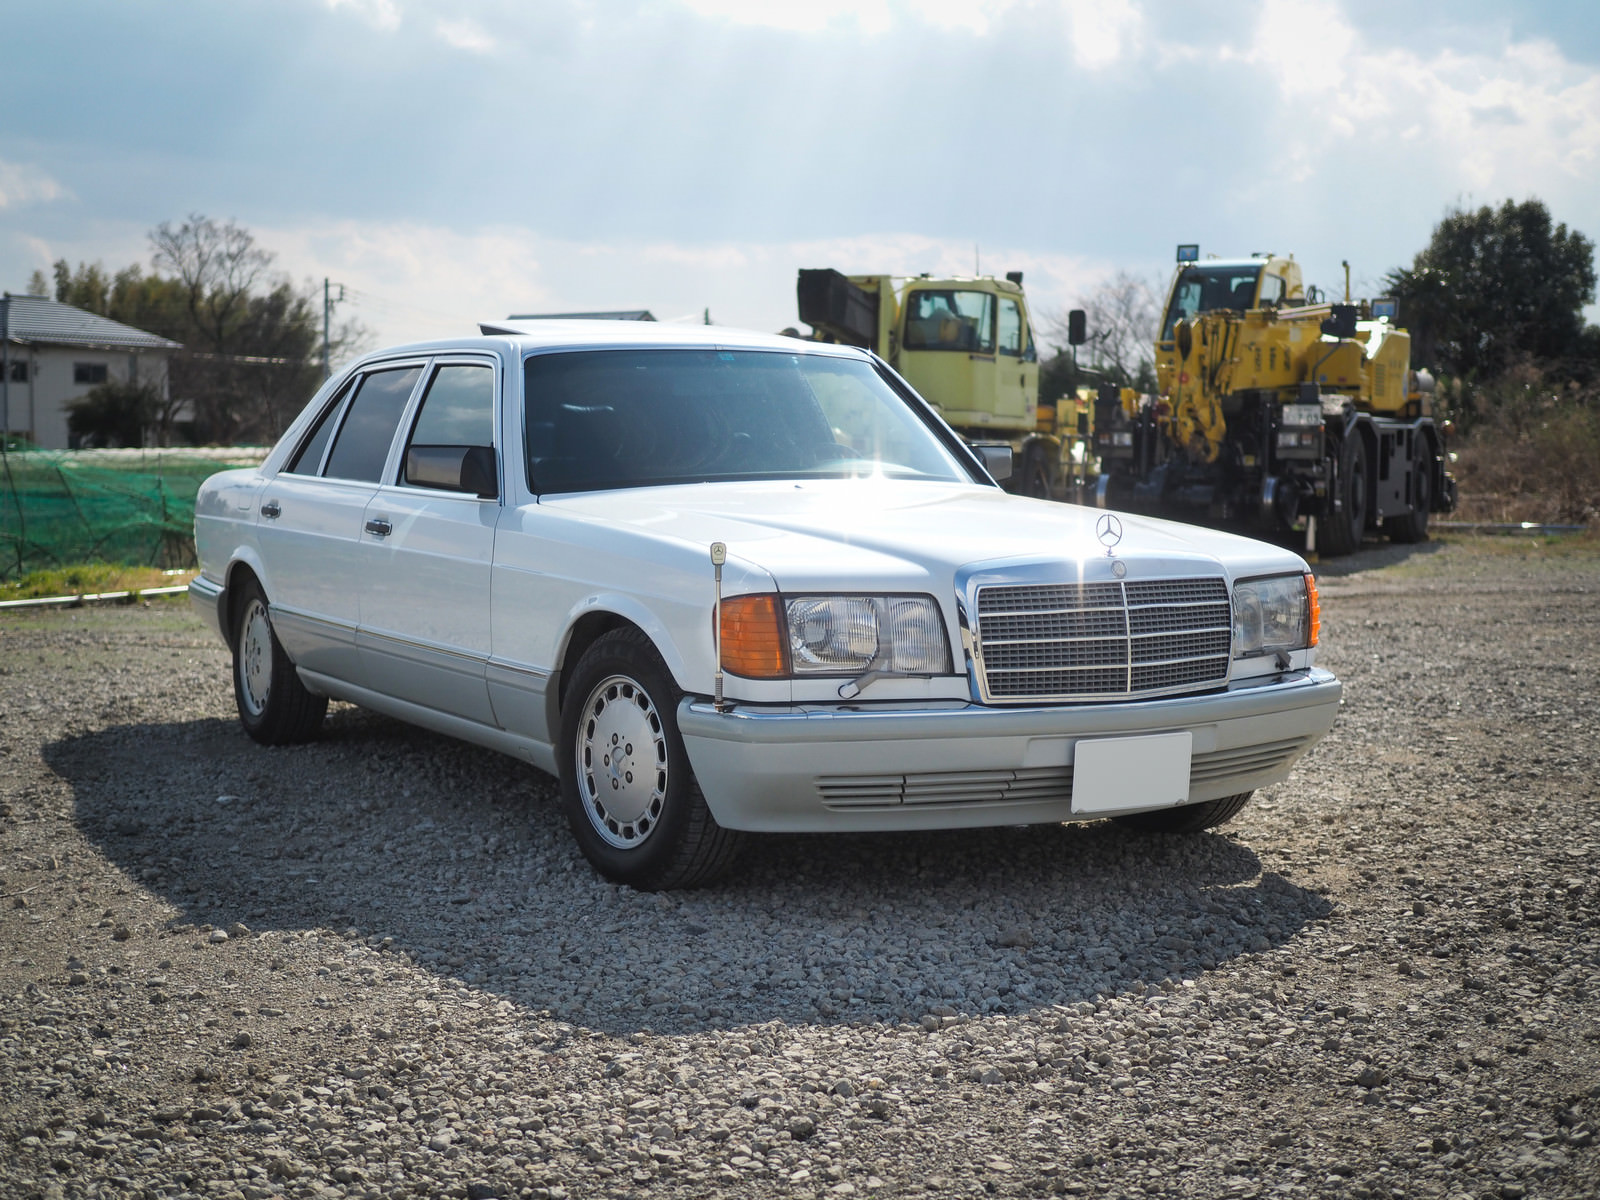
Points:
(219, 266)
(251, 343)
(1122, 315)
(251, 339)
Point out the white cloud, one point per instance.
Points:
(465, 34)
(1103, 31)
(114, 243)
(798, 16)
(1505, 123)
(1304, 44)
(871, 17)
(381, 14)
(410, 282)
(24, 183)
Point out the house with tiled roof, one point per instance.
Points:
(53, 353)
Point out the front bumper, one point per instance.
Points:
(957, 765)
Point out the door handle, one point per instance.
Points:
(379, 527)
(270, 509)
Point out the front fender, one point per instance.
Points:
(662, 635)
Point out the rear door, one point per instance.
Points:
(427, 543)
(311, 519)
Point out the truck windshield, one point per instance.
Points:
(635, 418)
(946, 319)
(1206, 288)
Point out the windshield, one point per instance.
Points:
(1206, 288)
(633, 418)
(946, 319)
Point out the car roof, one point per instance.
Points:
(578, 334)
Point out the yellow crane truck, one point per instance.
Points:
(1277, 406)
(966, 345)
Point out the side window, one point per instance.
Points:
(1010, 327)
(452, 443)
(1271, 291)
(371, 418)
(309, 457)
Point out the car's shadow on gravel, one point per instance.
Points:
(1373, 555)
(463, 859)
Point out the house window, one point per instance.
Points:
(88, 372)
(19, 370)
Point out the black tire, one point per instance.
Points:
(650, 828)
(275, 708)
(1187, 818)
(1413, 526)
(1344, 528)
(1035, 478)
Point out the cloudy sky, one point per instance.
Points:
(451, 162)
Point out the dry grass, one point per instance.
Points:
(1533, 454)
(90, 579)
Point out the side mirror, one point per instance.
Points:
(1077, 327)
(1184, 335)
(478, 474)
(1342, 322)
(996, 458)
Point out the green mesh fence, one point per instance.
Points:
(134, 507)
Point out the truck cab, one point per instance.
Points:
(1235, 284)
(964, 342)
(967, 346)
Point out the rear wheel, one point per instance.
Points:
(1346, 525)
(1413, 526)
(275, 708)
(630, 794)
(1187, 818)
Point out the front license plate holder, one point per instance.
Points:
(1116, 774)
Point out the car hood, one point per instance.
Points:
(858, 533)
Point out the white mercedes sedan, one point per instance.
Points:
(721, 583)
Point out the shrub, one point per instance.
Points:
(1533, 453)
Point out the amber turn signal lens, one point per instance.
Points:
(752, 638)
(1316, 610)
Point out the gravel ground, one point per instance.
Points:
(377, 965)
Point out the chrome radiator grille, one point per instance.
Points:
(1082, 641)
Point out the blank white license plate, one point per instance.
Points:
(1134, 772)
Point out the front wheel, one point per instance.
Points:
(275, 708)
(1348, 523)
(630, 794)
(1187, 818)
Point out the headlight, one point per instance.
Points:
(847, 635)
(1280, 613)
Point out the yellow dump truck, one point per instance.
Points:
(965, 343)
(1277, 406)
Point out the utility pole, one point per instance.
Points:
(5, 369)
(328, 301)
